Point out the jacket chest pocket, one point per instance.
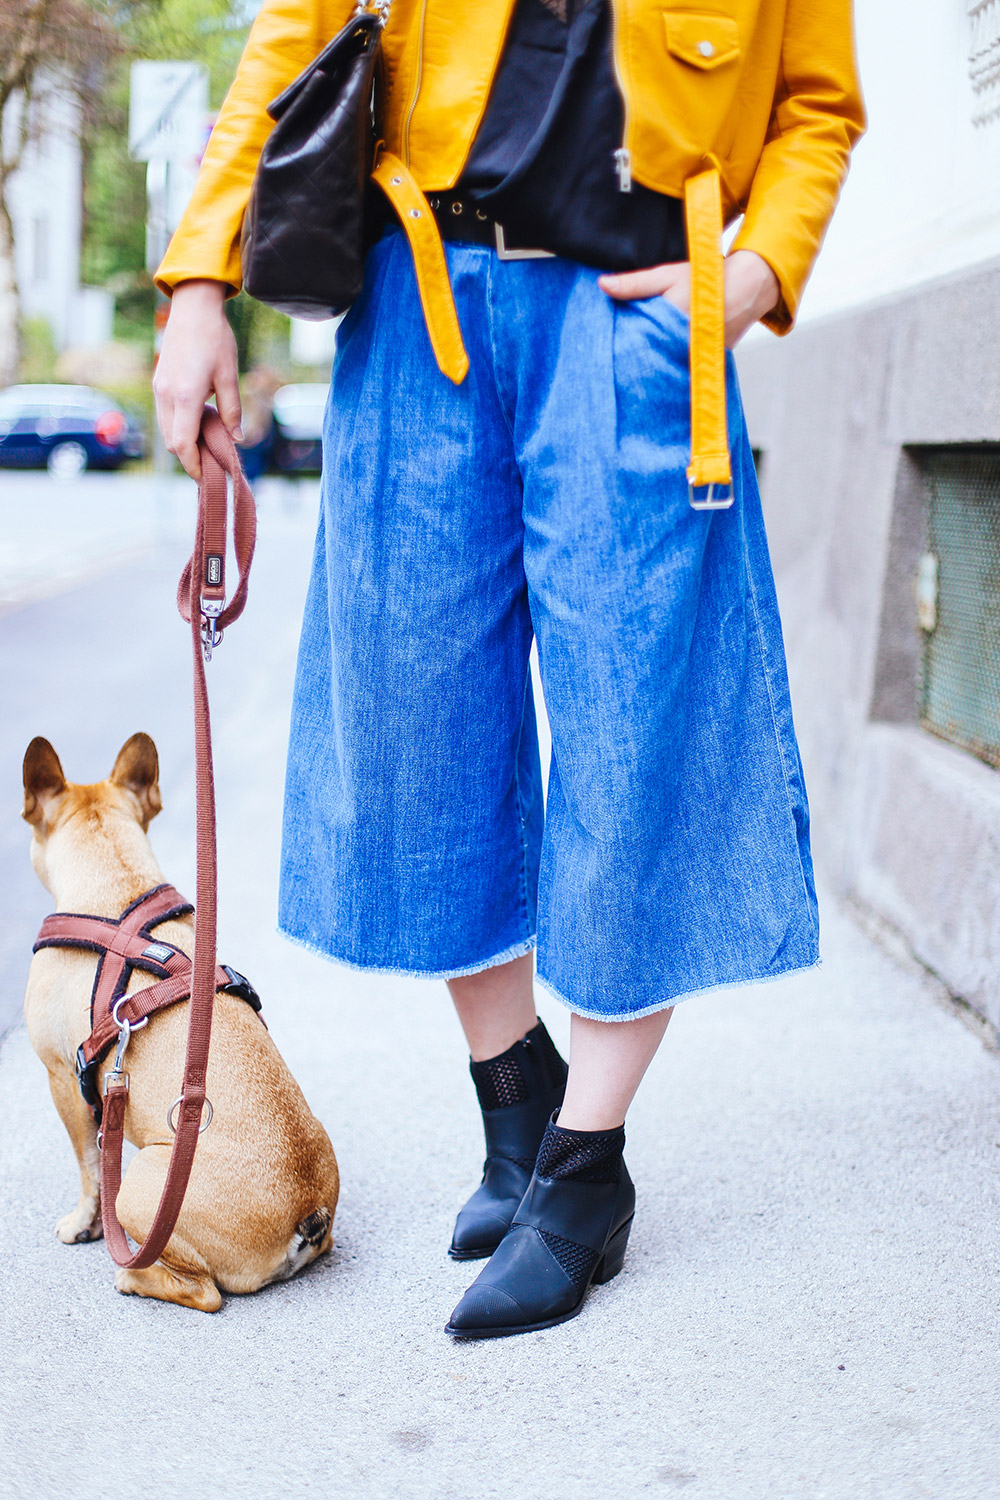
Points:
(704, 52)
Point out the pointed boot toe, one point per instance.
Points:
(482, 1311)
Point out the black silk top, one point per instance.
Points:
(547, 159)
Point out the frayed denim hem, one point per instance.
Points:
(650, 1010)
(518, 950)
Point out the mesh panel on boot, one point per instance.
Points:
(500, 1081)
(576, 1260)
(586, 1156)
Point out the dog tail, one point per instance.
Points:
(311, 1238)
(314, 1227)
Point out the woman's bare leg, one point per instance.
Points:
(607, 1060)
(496, 1007)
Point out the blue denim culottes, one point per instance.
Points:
(544, 496)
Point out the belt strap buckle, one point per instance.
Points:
(718, 496)
(503, 253)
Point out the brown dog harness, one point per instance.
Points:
(124, 944)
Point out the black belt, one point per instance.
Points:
(459, 218)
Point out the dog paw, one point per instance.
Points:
(79, 1229)
(189, 1289)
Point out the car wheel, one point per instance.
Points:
(67, 461)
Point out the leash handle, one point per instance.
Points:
(201, 600)
(201, 593)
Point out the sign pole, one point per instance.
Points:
(168, 117)
(157, 237)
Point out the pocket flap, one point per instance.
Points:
(701, 39)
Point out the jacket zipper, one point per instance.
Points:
(623, 156)
(417, 82)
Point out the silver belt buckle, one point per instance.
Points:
(504, 254)
(719, 497)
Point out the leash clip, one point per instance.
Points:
(211, 635)
(125, 1030)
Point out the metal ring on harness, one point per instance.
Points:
(180, 1100)
(132, 1025)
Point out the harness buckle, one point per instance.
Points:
(86, 1078)
(211, 635)
(240, 986)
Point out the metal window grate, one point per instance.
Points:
(960, 691)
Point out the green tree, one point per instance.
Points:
(212, 32)
(85, 47)
(46, 46)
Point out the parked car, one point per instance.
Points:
(298, 428)
(66, 429)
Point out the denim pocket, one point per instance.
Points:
(668, 315)
(652, 383)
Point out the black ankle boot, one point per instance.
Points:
(570, 1231)
(517, 1093)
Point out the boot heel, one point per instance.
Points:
(613, 1258)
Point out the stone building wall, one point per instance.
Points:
(841, 412)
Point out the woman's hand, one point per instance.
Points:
(752, 289)
(198, 357)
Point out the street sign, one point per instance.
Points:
(168, 107)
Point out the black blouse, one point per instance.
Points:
(548, 160)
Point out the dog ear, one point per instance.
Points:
(43, 780)
(137, 770)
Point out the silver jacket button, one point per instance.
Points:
(706, 49)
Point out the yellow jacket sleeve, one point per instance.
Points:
(285, 38)
(817, 117)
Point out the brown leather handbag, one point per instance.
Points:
(310, 216)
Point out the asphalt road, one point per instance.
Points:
(809, 1309)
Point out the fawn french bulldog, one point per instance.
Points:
(264, 1186)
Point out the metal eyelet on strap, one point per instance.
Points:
(132, 1025)
(482, 215)
(180, 1100)
(415, 213)
(457, 207)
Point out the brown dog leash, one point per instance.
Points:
(201, 599)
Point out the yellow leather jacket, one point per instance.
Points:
(761, 94)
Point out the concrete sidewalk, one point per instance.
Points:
(808, 1311)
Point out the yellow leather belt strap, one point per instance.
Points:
(436, 298)
(710, 466)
